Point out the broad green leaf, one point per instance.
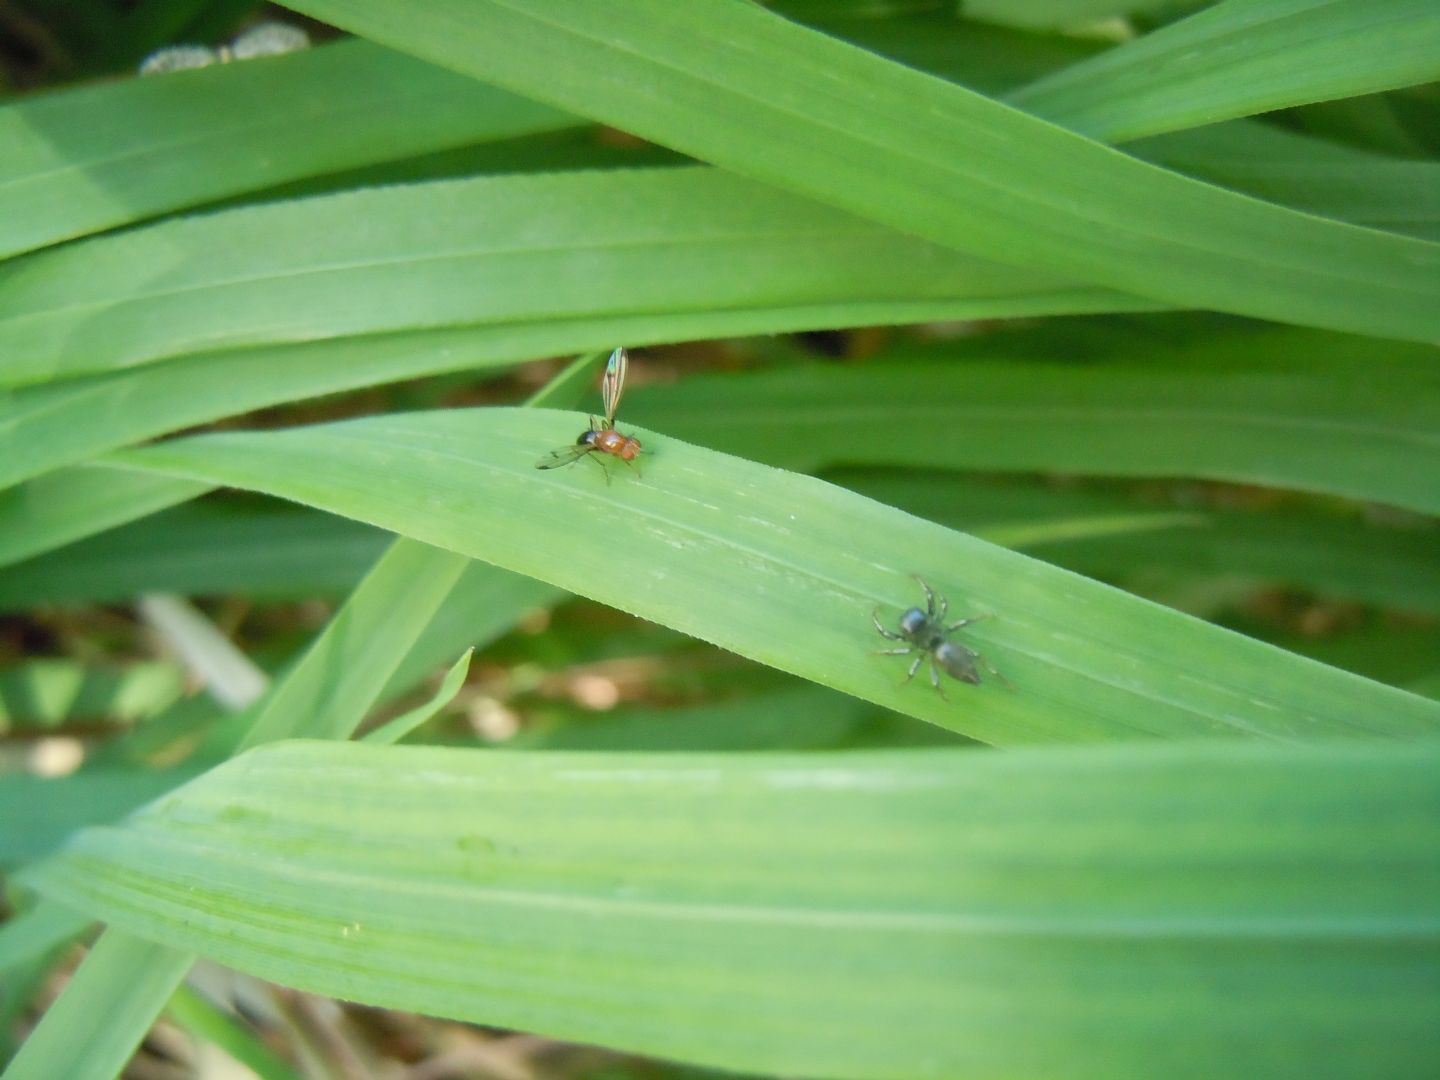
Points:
(787, 570)
(1357, 436)
(95, 157)
(927, 914)
(74, 503)
(490, 252)
(781, 103)
(45, 427)
(1156, 549)
(1238, 58)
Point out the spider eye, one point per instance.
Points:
(913, 621)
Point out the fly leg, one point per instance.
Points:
(595, 457)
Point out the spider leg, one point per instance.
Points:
(875, 618)
(920, 659)
(965, 622)
(893, 652)
(929, 596)
(935, 679)
(991, 669)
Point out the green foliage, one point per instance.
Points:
(722, 830)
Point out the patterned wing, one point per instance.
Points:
(613, 384)
(565, 455)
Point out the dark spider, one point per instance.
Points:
(925, 634)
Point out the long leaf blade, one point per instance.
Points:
(782, 103)
(907, 915)
(787, 570)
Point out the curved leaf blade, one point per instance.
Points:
(96, 157)
(1239, 58)
(787, 570)
(483, 252)
(733, 84)
(910, 915)
(1337, 432)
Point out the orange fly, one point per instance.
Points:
(601, 437)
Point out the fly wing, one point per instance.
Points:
(565, 455)
(613, 384)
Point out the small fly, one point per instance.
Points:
(926, 635)
(602, 437)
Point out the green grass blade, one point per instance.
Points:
(1322, 177)
(491, 251)
(1333, 555)
(113, 996)
(904, 914)
(941, 40)
(1239, 58)
(1338, 433)
(485, 603)
(27, 937)
(73, 503)
(1271, 163)
(733, 84)
(203, 1020)
(328, 693)
(92, 158)
(40, 813)
(200, 549)
(1059, 14)
(392, 731)
(787, 570)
